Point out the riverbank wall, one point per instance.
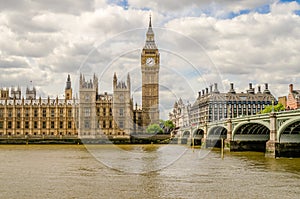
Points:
(137, 139)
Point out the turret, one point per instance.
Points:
(128, 80)
(95, 83)
(68, 89)
(115, 80)
(68, 82)
(15, 93)
(30, 93)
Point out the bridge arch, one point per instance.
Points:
(186, 134)
(217, 132)
(289, 131)
(251, 131)
(198, 133)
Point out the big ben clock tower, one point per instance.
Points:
(150, 79)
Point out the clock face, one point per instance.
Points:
(150, 61)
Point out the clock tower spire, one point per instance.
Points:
(150, 43)
(150, 64)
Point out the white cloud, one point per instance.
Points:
(284, 8)
(44, 41)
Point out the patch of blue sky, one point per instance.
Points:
(232, 15)
(264, 9)
(122, 3)
(287, 1)
(297, 12)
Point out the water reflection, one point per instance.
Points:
(138, 148)
(258, 160)
(136, 158)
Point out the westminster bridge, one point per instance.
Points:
(276, 133)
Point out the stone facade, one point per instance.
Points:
(122, 106)
(211, 105)
(87, 118)
(31, 117)
(282, 100)
(114, 114)
(180, 115)
(150, 64)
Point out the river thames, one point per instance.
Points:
(143, 171)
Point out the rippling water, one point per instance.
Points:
(142, 171)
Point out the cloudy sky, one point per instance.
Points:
(201, 42)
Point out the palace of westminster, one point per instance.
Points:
(94, 115)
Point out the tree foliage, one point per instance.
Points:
(277, 108)
(168, 126)
(165, 127)
(154, 129)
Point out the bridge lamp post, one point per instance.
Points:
(229, 112)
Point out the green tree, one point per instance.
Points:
(168, 126)
(154, 129)
(277, 108)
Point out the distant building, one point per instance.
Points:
(293, 99)
(211, 105)
(180, 115)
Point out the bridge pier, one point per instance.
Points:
(227, 141)
(183, 140)
(203, 140)
(271, 144)
(270, 149)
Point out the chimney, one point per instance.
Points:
(203, 92)
(291, 88)
(216, 88)
(259, 90)
(266, 91)
(251, 89)
(199, 94)
(206, 89)
(231, 89)
(211, 88)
